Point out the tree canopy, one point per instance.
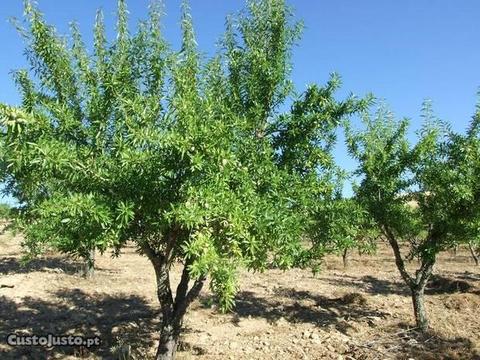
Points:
(425, 195)
(193, 159)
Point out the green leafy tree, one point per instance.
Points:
(189, 159)
(423, 198)
(344, 225)
(339, 224)
(305, 138)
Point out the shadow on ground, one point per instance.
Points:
(437, 285)
(77, 313)
(403, 342)
(400, 341)
(412, 345)
(306, 307)
(370, 284)
(14, 265)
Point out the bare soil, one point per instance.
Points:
(362, 312)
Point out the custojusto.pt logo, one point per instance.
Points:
(50, 340)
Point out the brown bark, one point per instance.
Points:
(418, 291)
(475, 256)
(167, 348)
(398, 256)
(89, 265)
(345, 258)
(418, 299)
(416, 284)
(173, 310)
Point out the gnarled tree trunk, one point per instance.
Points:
(418, 299)
(416, 283)
(169, 334)
(172, 309)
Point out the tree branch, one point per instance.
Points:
(428, 260)
(151, 254)
(171, 240)
(182, 288)
(398, 256)
(162, 275)
(424, 273)
(181, 306)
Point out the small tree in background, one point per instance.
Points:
(423, 197)
(346, 226)
(190, 159)
(474, 247)
(5, 211)
(340, 225)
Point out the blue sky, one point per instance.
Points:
(402, 51)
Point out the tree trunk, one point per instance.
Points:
(454, 250)
(418, 299)
(173, 310)
(474, 254)
(416, 284)
(89, 265)
(167, 347)
(345, 258)
(170, 326)
(418, 290)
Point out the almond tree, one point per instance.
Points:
(474, 251)
(423, 198)
(188, 158)
(344, 225)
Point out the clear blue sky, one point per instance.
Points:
(402, 51)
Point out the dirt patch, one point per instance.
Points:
(354, 299)
(362, 312)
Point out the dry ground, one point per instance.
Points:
(363, 312)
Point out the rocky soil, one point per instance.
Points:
(362, 312)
